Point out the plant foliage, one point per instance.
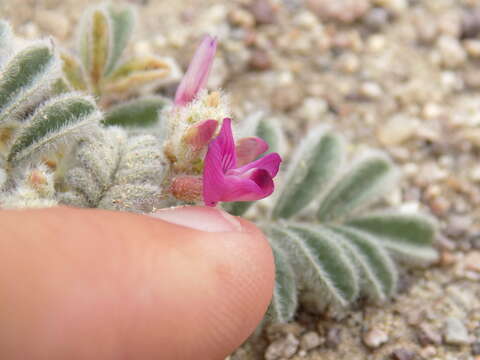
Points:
(52, 145)
(103, 68)
(326, 242)
(56, 146)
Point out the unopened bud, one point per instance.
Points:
(200, 134)
(187, 188)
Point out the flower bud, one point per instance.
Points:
(199, 135)
(196, 76)
(187, 188)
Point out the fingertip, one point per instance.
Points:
(131, 285)
(242, 280)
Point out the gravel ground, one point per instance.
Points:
(401, 75)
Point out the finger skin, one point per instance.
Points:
(90, 284)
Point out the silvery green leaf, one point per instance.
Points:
(73, 198)
(237, 208)
(114, 172)
(130, 197)
(139, 72)
(83, 184)
(3, 177)
(285, 299)
(141, 112)
(26, 79)
(59, 119)
(378, 269)
(100, 156)
(364, 183)
(6, 41)
(272, 133)
(322, 264)
(74, 72)
(94, 43)
(142, 162)
(313, 167)
(122, 20)
(409, 236)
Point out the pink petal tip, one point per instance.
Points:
(195, 79)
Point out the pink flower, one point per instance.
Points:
(196, 76)
(223, 180)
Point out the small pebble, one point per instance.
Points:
(455, 332)
(263, 12)
(312, 108)
(396, 6)
(348, 63)
(279, 331)
(447, 258)
(371, 90)
(458, 226)
(285, 98)
(376, 18)
(397, 130)
(427, 335)
(472, 46)
(334, 337)
(260, 60)
(403, 354)
(306, 19)
(470, 23)
(374, 338)
(428, 351)
(282, 348)
(472, 261)
(310, 340)
(432, 111)
(452, 52)
(241, 17)
(476, 348)
(475, 240)
(376, 42)
(427, 29)
(346, 11)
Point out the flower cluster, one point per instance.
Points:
(209, 167)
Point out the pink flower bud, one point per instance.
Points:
(196, 76)
(198, 136)
(187, 188)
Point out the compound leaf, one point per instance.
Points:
(359, 187)
(313, 167)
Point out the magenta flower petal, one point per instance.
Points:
(196, 76)
(223, 181)
(213, 175)
(256, 186)
(270, 162)
(248, 149)
(227, 145)
(200, 134)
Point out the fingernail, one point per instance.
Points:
(200, 218)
